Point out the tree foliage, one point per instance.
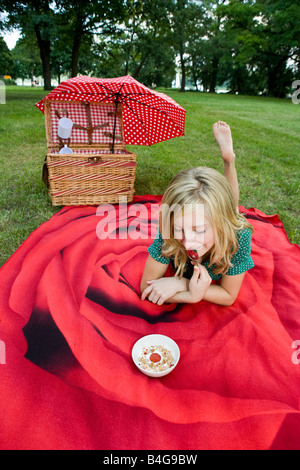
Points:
(6, 60)
(252, 46)
(26, 59)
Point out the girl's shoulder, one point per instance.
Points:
(244, 236)
(155, 249)
(241, 260)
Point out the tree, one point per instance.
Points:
(141, 46)
(80, 19)
(238, 65)
(207, 46)
(50, 21)
(252, 45)
(186, 18)
(280, 26)
(26, 57)
(36, 17)
(154, 55)
(263, 36)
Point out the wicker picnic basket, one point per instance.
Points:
(100, 169)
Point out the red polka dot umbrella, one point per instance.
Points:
(148, 116)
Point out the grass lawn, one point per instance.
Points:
(266, 140)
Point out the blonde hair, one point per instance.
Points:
(205, 186)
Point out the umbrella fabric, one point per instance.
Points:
(149, 117)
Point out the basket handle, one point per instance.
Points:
(62, 111)
(90, 129)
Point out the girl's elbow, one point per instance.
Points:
(229, 301)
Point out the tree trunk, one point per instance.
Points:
(276, 83)
(126, 68)
(139, 67)
(75, 55)
(78, 34)
(213, 75)
(45, 47)
(182, 63)
(75, 52)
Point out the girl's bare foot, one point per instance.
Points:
(222, 134)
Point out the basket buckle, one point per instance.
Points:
(95, 160)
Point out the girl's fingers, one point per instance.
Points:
(203, 270)
(196, 274)
(146, 292)
(153, 297)
(205, 277)
(200, 272)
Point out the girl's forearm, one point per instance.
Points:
(214, 294)
(183, 297)
(218, 295)
(164, 288)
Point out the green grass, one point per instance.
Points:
(266, 141)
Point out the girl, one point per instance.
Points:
(214, 246)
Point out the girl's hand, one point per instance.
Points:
(199, 283)
(160, 290)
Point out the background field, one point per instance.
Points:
(266, 140)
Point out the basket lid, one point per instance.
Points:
(93, 123)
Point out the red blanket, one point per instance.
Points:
(70, 312)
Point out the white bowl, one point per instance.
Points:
(155, 340)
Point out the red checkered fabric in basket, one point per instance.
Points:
(148, 116)
(77, 112)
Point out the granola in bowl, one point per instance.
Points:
(156, 358)
(155, 355)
